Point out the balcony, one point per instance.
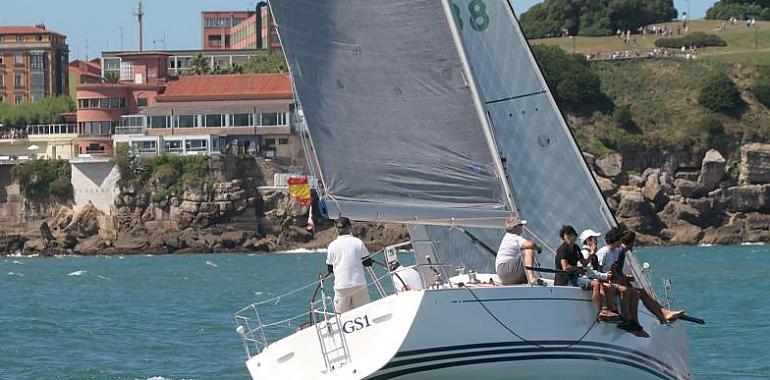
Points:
(130, 130)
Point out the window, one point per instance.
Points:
(283, 141)
(1, 57)
(198, 145)
(39, 38)
(2, 79)
(19, 38)
(141, 102)
(19, 57)
(18, 80)
(270, 142)
(144, 146)
(36, 61)
(19, 99)
(174, 146)
(158, 122)
(215, 120)
(269, 119)
(241, 120)
(127, 71)
(111, 64)
(186, 121)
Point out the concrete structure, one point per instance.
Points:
(84, 72)
(224, 30)
(33, 64)
(95, 181)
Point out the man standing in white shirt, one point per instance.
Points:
(346, 257)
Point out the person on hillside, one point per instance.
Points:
(516, 253)
(605, 302)
(346, 257)
(663, 314)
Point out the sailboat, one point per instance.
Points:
(434, 113)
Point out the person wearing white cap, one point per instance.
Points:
(589, 239)
(515, 253)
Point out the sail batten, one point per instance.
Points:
(388, 107)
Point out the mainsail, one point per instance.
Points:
(391, 115)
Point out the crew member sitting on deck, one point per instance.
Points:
(514, 254)
(590, 241)
(346, 257)
(405, 278)
(663, 314)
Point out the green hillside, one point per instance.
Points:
(655, 101)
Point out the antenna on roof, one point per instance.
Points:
(139, 13)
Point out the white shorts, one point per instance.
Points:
(350, 298)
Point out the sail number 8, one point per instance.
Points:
(479, 19)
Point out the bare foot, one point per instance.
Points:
(672, 316)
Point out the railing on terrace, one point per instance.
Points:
(51, 129)
(130, 130)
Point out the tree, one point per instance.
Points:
(575, 84)
(720, 94)
(594, 17)
(198, 66)
(46, 111)
(111, 77)
(741, 9)
(269, 63)
(41, 179)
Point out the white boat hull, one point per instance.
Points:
(518, 332)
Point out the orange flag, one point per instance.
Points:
(299, 189)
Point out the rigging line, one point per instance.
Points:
(491, 314)
(539, 239)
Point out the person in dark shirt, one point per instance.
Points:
(567, 256)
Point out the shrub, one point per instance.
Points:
(41, 179)
(762, 93)
(623, 118)
(574, 83)
(720, 94)
(694, 39)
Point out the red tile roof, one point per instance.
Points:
(26, 30)
(228, 87)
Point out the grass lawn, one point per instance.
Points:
(748, 46)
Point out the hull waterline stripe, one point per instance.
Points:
(516, 97)
(525, 299)
(468, 350)
(458, 363)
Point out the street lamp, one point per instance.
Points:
(573, 43)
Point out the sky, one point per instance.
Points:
(92, 26)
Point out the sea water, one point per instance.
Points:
(171, 317)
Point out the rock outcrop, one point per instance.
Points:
(755, 164)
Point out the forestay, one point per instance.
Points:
(390, 112)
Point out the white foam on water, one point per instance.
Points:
(705, 245)
(15, 274)
(753, 243)
(209, 263)
(17, 262)
(305, 250)
(85, 273)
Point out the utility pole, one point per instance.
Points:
(139, 13)
(756, 37)
(121, 38)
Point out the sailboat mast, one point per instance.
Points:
(479, 106)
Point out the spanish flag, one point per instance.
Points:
(299, 189)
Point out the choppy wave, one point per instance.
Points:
(753, 243)
(15, 274)
(78, 273)
(209, 263)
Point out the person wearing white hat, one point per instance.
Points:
(515, 253)
(589, 239)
